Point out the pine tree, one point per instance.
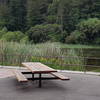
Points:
(17, 20)
(36, 11)
(4, 13)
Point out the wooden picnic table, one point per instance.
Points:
(38, 68)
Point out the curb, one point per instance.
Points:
(12, 67)
(62, 71)
(79, 72)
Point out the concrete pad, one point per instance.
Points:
(4, 73)
(80, 87)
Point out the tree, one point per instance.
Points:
(91, 29)
(88, 32)
(89, 9)
(36, 12)
(17, 16)
(4, 14)
(66, 13)
(43, 33)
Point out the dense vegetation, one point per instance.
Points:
(36, 21)
(14, 54)
(54, 55)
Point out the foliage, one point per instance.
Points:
(48, 53)
(87, 32)
(3, 31)
(90, 29)
(36, 12)
(4, 15)
(97, 41)
(25, 39)
(62, 61)
(72, 37)
(21, 15)
(42, 33)
(13, 36)
(89, 9)
(17, 15)
(51, 19)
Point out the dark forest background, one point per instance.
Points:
(38, 21)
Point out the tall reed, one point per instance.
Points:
(13, 53)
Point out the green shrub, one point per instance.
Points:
(51, 19)
(90, 29)
(97, 41)
(72, 38)
(43, 33)
(3, 31)
(13, 36)
(87, 32)
(25, 39)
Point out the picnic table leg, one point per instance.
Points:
(40, 83)
(32, 76)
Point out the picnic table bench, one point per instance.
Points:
(38, 68)
(20, 76)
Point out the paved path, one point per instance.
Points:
(80, 87)
(4, 73)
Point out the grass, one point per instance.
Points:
(93, 69)
(78, 46)
(14, 54)
(48, 53)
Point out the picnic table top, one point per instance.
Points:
(37, 67)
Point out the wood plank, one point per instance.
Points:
(29, 66)
(20, 76)
(42, 67)
(38, 67)
(60, 76)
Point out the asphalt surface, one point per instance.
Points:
(80, 87)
